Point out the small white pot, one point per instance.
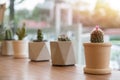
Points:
(38, 51)
(7, 48)
(20, 49)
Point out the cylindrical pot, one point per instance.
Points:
(7, 48)
(20, 49)
(97, 57)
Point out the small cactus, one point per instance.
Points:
(63, 38)
(97, 35)
(21, 32)
(8, 34)
(39, 35)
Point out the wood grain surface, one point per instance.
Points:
(24, 69)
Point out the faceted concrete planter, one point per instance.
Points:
(7, 48)
(97, 57)
(62, 53)
(38, 51)
(20, 49)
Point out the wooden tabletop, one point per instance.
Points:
(24, 69)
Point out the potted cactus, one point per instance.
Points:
(20, 46)
(38, 50)
(97, 53)
(62, 52)
(7, 48)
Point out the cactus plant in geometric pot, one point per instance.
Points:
(7, 48)
(38, 50)
(20, 46)
(62, 52)
(97, 53)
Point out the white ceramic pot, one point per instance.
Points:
(38, 51)
(7, 48)
(62, 53)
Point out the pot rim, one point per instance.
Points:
(60, 41)
(97, 44)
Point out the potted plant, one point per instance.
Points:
(97, 53)
(38, 50)
(62, 52)
(7, 48)
(20, 46)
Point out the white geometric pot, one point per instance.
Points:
(7, 48)
(62, 53)
(38, 51)
(20, 49)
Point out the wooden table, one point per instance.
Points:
(23, 69)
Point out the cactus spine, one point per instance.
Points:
(97, 35)
(21, 32)
(39, 35)
(8, 34)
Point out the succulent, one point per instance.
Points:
(97, 35)
(8, 34)
(21, 32)
(39, 35)
(63, 38)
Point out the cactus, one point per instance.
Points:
(63, 38)
(97, 35)
(8, 34)
(21, 32)
(39, 35)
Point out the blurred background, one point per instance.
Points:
(76, 18)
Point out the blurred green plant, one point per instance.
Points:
(21, 32)
(8, 34)
(1, 32)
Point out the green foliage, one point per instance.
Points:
(39, 35)
(36, 13)
(22, 14)
(1, 32)
(97, 36)
(8, 34)
(63, 38)
(21, 32)
(102, 14)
